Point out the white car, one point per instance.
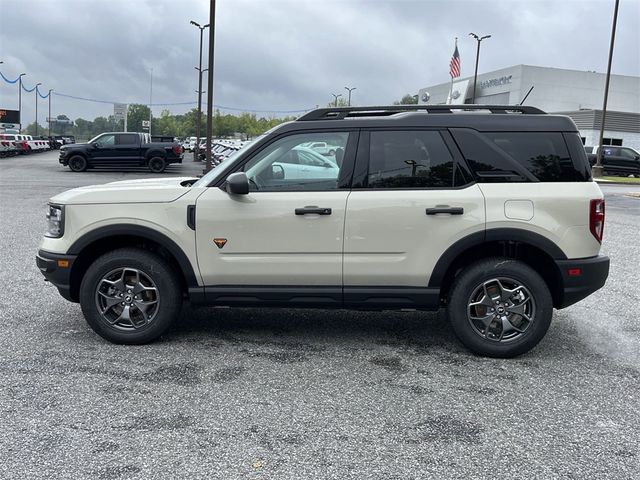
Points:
(489, 212)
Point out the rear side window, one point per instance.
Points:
(518, 156)
(126, 139)
(409, 159)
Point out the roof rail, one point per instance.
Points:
(339, 113)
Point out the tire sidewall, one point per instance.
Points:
(75, 158)
(482, 271)
(154, 267)
(153, 160)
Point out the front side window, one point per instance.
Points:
(628, 153)
(106, 140)
(409, 159)
(289, 164)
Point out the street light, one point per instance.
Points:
(336, 98)
(475, 75)
(212, 39)
(349, 90)
(199, 91)
(20, 101)
(37, 107)
(50, 90)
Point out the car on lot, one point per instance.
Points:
(616, 160)
(322, 147)
(487, 211)
(118, 149)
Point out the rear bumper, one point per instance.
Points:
(51, 265)
(593, 275)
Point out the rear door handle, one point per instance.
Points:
(312, 210)
(445, 209)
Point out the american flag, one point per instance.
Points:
(454, 64)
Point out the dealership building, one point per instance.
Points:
(574, 93)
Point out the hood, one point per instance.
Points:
(153, 190)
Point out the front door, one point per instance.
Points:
(282, 242)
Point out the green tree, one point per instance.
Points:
(31, 130)
(137, 113)
(408, 99)
(341, 103)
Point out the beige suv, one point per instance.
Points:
(489, 211)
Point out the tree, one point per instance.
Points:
(408, 99)
(31, 130)
(137, 113)
(341, 103)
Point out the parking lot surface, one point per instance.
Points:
(264, 394)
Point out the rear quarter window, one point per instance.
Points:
(543, 155)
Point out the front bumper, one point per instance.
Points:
(593, 275)
(52, 266)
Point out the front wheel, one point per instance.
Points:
(78, 163)
(500, 307)
(157, 164)
(130, 296)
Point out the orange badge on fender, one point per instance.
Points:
(220, 242)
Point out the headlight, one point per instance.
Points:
(55, 221)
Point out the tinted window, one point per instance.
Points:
(288, 164)
(123, 139)
(628, 153)
(409, 159)
(518, 155)
(105, 140)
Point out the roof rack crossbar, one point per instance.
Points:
(339, 113)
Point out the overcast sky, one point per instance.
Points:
(286, 55)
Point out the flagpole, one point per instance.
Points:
(451, 86)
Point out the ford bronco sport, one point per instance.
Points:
(489, 211)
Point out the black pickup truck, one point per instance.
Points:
(118, 149)
(616, 160)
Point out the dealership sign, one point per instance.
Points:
(495, 82)
(9, 116)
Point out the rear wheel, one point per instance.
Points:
(78, 163)
(130, 296)
(500, 307)
(157, 164)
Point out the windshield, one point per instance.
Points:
(217, 172)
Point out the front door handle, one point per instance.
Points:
(312, 210)
(445, 209)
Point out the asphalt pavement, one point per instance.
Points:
(306, 394)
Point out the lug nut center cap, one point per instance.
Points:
(128, 299)
(501, 309)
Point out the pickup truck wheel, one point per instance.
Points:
(78, 163)
(157, 164)
(500, 307)
(130, 296)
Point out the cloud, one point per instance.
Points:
(288, 55)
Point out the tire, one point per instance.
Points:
(157, 164)
(77, 163)
(481, 293)
(130, 296)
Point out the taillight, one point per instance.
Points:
(596, 219)
(177, 149)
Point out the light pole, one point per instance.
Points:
(212, 23)
(597, 168)
(37, 107)
(349, 90)
(199, 91)
(20, 101)
(50, 90)
(335, 104)
(475, 75)
(150, 100)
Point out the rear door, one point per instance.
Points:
(411, 200)
(127, 149)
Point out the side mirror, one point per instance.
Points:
(277, 172)
(237, 184)
(95, 144)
